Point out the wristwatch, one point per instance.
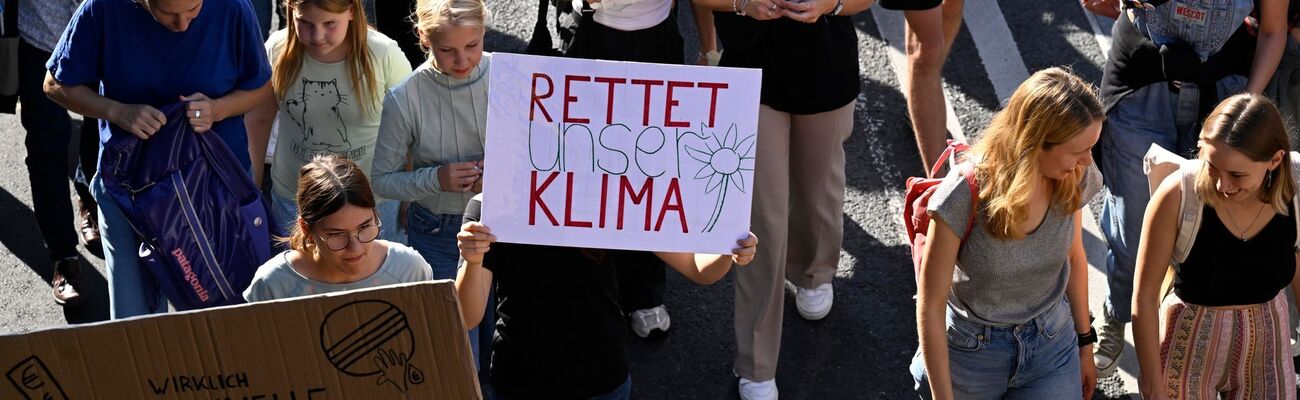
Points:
(1088, 338)
(839, 5)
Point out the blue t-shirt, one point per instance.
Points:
(116, 45)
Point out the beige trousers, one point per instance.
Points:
(797, 216)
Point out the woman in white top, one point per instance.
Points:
(330, 72)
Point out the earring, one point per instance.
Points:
(1268, 179)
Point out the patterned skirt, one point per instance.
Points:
(1242, 353)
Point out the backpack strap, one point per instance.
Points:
(1189, 210)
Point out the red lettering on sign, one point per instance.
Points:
(674, 194)
(645, 194)
(537, 99)
(535, 199)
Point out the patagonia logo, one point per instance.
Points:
(190, 276)
(1186, 13)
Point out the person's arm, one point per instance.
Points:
(937, 264)
(1077, 292)
(258, 123)
(1105, 8)
(139, 119)
(391, 179)
(1155, 251)
(203, 111)
(705, 269)
(708, 33)
(473, 281)
(1270, 44)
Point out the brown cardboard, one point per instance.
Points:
(335, 346)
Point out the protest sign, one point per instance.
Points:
(397, 342)
(620, 155)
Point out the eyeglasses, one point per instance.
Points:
(339, 240)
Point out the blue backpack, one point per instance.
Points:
(203, 226)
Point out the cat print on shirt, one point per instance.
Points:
(317, 101)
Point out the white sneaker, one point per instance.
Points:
(765, 390)
(814, 304)
(649, 320)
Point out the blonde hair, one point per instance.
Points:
(1048, 109)
(434, 15)
(361, 69)
(1252, 125)
(325, 185)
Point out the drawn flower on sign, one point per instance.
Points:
(726, 160)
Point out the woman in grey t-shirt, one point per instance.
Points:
(332, 246)
(998, 298)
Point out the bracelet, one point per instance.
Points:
(738, 9)
(1088, 338)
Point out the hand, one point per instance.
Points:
(458, 177)
(762, 10)
(745, 254)
(1153, 387)
(478, 183)
(141, 120)
(474, 241)
(200, 111)
(392, 367)
(807, 11)
(1087, 371)
(1105, 8)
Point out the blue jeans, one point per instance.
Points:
(131, 289)
(1036, 360)
(622, 392)
(286, 212)
(1143, 118)
(434, 237)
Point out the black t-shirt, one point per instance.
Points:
(1222, 270)
(560, 331)
(807, 68)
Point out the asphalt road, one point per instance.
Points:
(862, 349)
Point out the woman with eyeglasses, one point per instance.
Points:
(332, 247)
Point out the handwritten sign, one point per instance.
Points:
(620, 155)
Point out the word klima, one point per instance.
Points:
(672, 201)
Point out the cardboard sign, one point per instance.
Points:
(620, 155)
(396, 342)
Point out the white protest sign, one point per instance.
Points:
(619, 155)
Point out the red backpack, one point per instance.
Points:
(916, 206)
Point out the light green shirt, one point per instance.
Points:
(322, 112)
(276, 279)
(439, 120)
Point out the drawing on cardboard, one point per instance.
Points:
(35, 381)
(368, 338)
(726, 162)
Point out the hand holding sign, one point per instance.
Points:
(474, 240)
(458, 177)
(745, 253)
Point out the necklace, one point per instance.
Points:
(1252, 221)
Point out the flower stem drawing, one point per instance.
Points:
(724, 161)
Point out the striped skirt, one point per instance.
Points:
(1242, 353)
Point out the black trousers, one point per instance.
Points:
(49, 166)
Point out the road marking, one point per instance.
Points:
(997, 48)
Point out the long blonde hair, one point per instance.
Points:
(1048, 109)
(361, 69)
(1252, 125)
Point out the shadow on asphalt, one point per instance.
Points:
(28, 246)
